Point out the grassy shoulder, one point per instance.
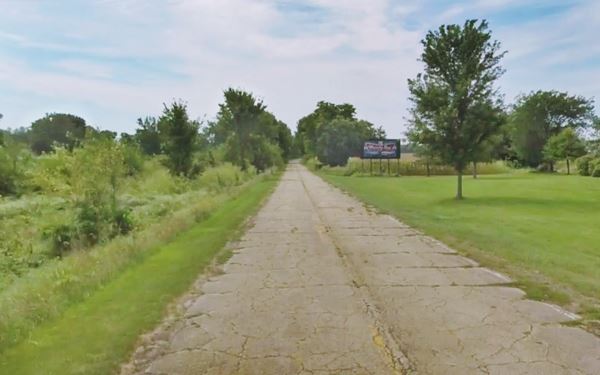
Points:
(541, 229)
(97, 334)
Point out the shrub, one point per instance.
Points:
(62, 237)
(225, 176)
(123, 222)
(596, 171)
(583, 165)
(133, 159)
(90, 222)
(312, 163)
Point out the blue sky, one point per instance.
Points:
(112, 61)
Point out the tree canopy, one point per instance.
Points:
(341, 138)
(565, 145)
(56, 129)
(455, 105)
(249, 133)
(180, 137)
(310, 125)
(542, 114)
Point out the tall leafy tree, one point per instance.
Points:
(455, 105)
(566, 145)
(342, 138)
(240, 117)
(180, 134)
(147, 135)
(310, 125)
(61, 129)
(542, 114)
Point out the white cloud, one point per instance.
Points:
(128, 56)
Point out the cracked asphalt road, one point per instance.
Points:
(321, 285)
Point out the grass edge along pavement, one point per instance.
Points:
(527, 250)
(98, 334)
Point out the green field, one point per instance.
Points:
(97, 335)
(544, 230)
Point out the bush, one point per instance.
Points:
(90, 222)
(225, 176)
(312, 163)
(596, 171)
(123, 222)
(133, 159)
(62, 237)
(583, 165)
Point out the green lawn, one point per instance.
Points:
(544, 230)
(95, 336)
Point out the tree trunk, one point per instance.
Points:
(459, 194)
(474, 169)
(568, 167)
(427, 166)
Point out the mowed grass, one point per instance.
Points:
(544, 230)
(97, 335)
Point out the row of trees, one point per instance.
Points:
(244, 133)
(458, 116)
(61, 155)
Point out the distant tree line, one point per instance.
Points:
(458, 117)
(244, 133)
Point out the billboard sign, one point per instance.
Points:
(381, 149)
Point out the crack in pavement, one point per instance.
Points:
(323, 285)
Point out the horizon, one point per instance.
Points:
(124, 59)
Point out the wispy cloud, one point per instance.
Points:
(117, 60)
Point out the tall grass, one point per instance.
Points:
(45, 292)
(393, 167)
(225, 177)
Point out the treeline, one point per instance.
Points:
(244, 133)
(458, 116)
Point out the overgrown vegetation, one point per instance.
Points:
(79, 205)
(139, 275)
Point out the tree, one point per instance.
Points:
(455, 106)
(14, 158)
(180, 135)
(342, 138)
(540, 115)
(148, 136)
(310, 125)
(240, 117)
(60, 129)
(566, 145)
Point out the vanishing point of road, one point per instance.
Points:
(321, 285)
